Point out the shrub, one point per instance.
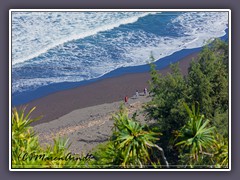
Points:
(27, 152)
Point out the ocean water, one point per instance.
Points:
(52, 51)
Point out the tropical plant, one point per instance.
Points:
(168, 94)
(195, 138)
(131, 144)
(220, 152)
(133, 140)
(27, 152)
(206, 83)
(23, 137)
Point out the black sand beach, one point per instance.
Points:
(108, 90)
(83, 114)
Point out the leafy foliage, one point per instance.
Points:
(130, 144)
(27, 152)
(196, 138)
(208, 80)
(221, 156)
(206, 84)
(168, 95)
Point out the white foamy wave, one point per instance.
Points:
(102, 53)
(33, 83)
(35, 33)
(24, 84)
(198, 28)
(202, 26)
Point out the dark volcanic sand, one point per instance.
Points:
(108, 90)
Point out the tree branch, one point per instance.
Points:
(162, 153)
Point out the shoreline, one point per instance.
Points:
(29, 96)
(83, 114)
(87, 123)
(107, 90)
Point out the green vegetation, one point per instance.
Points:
(206, 84)
(27, 152)
(131, 145)
(195, 137)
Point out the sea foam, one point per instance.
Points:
(35, 33)
(102, 43)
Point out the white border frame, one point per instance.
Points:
(116, 10)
